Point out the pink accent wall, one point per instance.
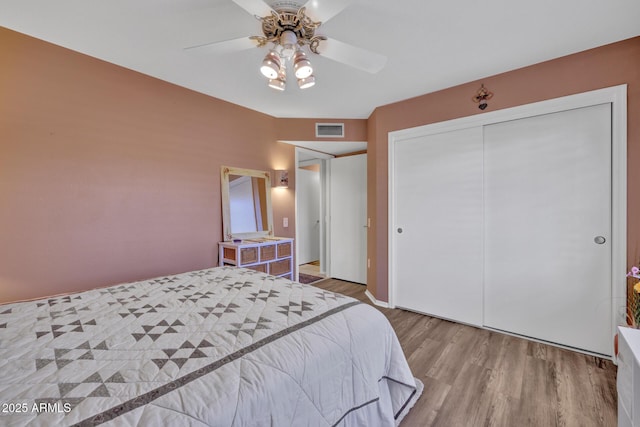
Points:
(606, 66)
(108, 175)
(305, 129)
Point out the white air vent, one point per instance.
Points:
(329, 130)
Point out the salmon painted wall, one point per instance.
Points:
(108, 175)
(305, 129)
(606, 66)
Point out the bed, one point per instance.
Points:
(218, 347)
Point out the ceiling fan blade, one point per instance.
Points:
(353, 56)
(223, 47)
(255, 7)
(326, 9)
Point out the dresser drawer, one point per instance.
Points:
(258, 267)
(284, 249)
(267, 253)
(277, 268)
(248, 255)
(228, 256)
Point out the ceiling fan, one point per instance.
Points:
(289, 26)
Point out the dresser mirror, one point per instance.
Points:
(246, 203)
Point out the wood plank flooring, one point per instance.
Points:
(475, 377)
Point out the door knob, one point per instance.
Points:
(399, 230)
(599, 240)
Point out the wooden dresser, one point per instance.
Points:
(628, 380)
(271, 255)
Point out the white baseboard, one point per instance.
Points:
(375, 301)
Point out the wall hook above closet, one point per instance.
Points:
(481, 97)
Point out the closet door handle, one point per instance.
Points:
(599, 240)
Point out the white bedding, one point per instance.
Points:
(217, 347)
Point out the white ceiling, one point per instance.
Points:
(430, 45)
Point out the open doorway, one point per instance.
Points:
(311, 214)
(314, 197)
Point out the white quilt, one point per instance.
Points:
(218, 347)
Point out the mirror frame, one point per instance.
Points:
(225, 171)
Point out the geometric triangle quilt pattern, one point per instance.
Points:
(88, 352)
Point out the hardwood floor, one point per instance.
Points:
(475, 377)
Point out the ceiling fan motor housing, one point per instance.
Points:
(285, 5)
(287, 28)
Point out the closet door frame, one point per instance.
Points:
(617, 97)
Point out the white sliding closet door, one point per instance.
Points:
(438, 224)
(547, 227)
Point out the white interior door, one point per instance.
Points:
(348, 210)
(547, 227)
(437, 236)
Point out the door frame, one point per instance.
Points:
(325, 191)
(617, 96)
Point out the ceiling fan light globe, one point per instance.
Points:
(277, 84)
(304, 71)
(268, 72)
(302, 66)
(306, 82)
(271, 65)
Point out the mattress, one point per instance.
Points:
(218, 347)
